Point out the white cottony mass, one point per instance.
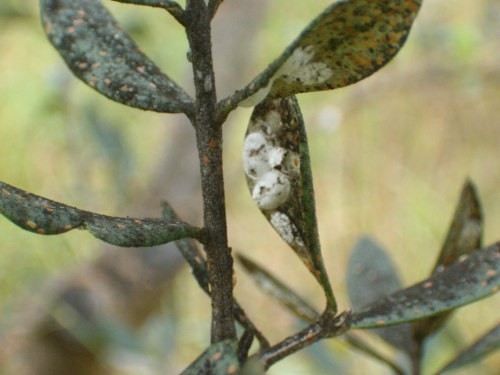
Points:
(271, 190)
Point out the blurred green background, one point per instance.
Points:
(390, 155)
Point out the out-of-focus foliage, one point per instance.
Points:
(388, 154)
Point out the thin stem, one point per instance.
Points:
(213, 5)
(209, 144)
(324, 327)
(416, 359)
(292, 344)
(170, 6)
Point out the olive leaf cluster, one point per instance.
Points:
(347, 42)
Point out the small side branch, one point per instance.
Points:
(170, 6)
(213, 5)
(325, 327)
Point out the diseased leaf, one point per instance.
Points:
(44, 216)
(486, 345)
(466, 229)
(102, 55)
(279, 291)
(349, 41)
(371, 275)
(464, 236)
(464, 282)
(278, 172)
(219, 358)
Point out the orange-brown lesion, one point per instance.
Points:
(31, 224)
(212, 144)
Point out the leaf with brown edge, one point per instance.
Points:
(347, 42)
(278, 173)
(472, 278)
(102, 55)
(44, 216)
(464, 236)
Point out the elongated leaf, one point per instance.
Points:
(278, 172)
(464, 236)
(349, 41)
(486, 345)
(464, 282)
(219, 358)
(466, 229)
(103, 56)
(43, 216)
(371, 275)
(275, 288)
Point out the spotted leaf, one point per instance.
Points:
(278, 172)
(464, 237)
(44, 216)
(371, 275)
(466, 281)
(346, 43)
(103, 56)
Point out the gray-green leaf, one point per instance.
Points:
(44, 216)
(486, 345)
(464, 236)
(102, 55)
(466, 229)
(464, 282)
(349, 41)
(371, 275)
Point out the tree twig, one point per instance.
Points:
(325, 327)
(209, 144)
(213, 5)
(170, 6)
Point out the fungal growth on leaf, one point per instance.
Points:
(272, 165)
(277, 168)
